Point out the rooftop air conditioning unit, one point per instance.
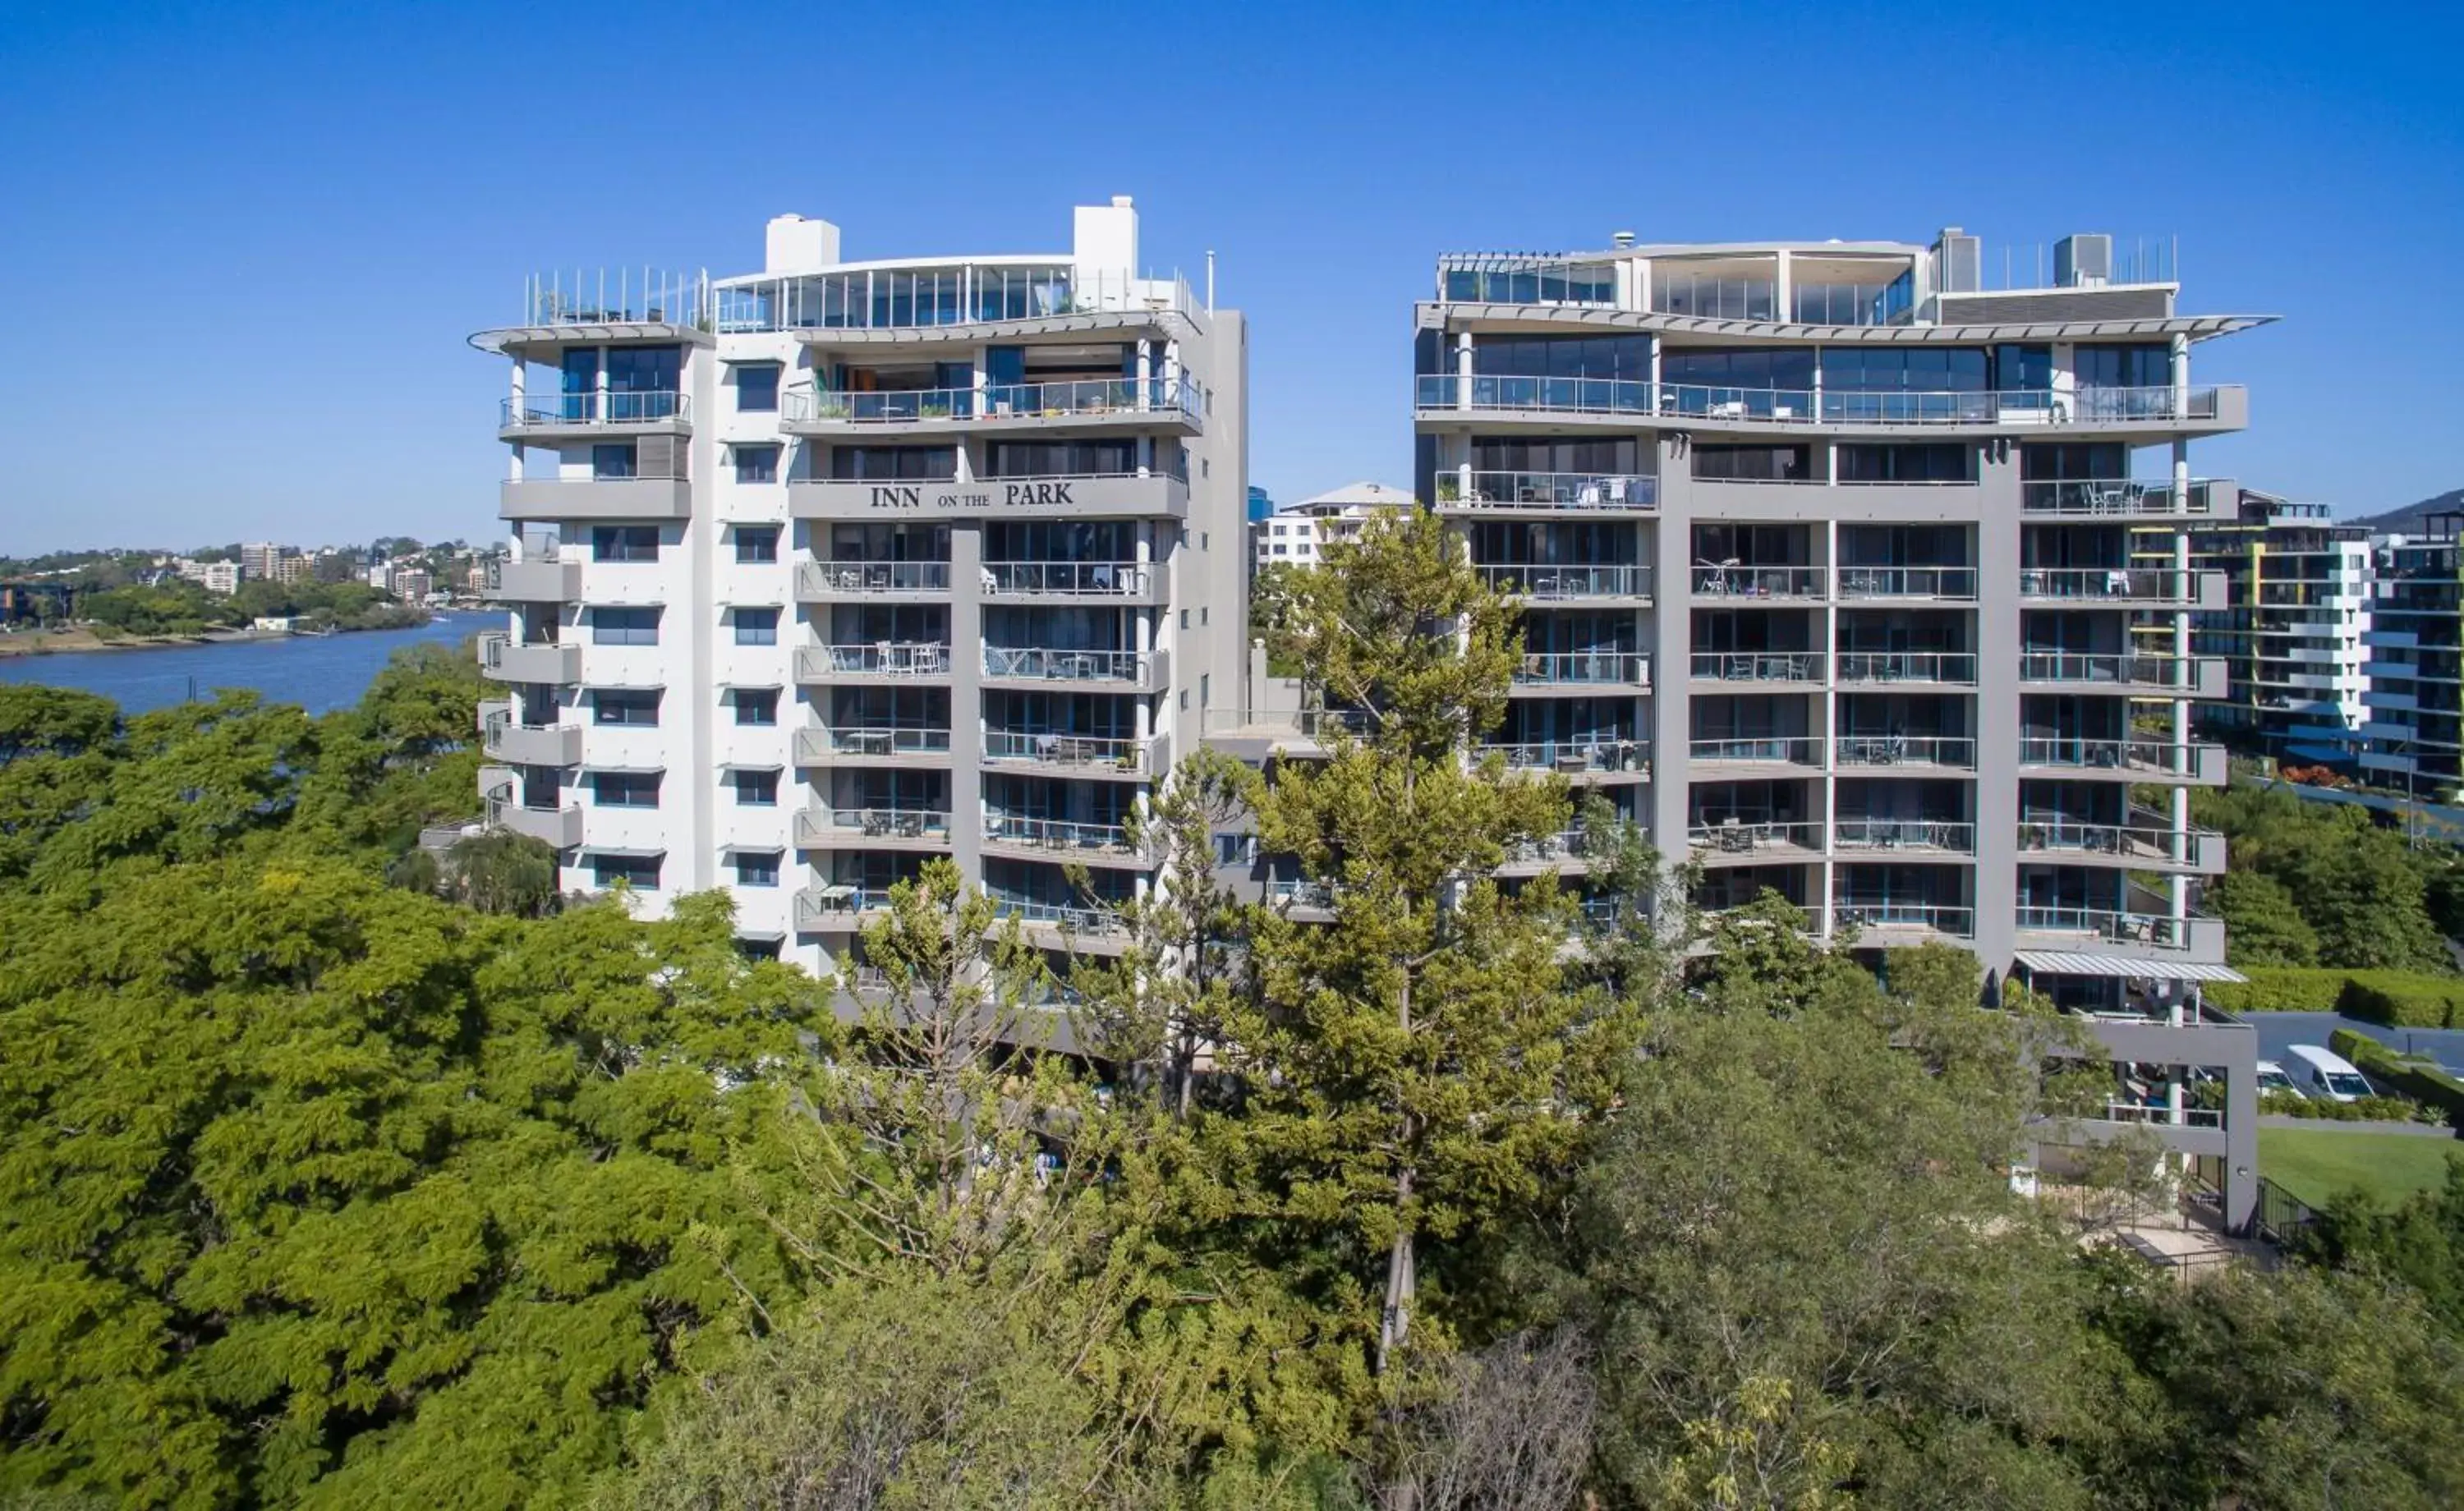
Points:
(1957, 256)
(2083, 261)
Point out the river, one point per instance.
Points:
(319, 672)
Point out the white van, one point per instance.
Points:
(2272, 1078)
(2322, 1072)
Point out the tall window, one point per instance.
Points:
(624, 626)
(625, 706)
(625, 789)
(624, 544)
(756, 388)
(756, 464)
(755, 706)
(756, 626)
(756, 789)
(756, 543)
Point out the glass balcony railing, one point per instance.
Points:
(2148, 757)
(1790, 749)
(1915, 581)
(1577, 754)
(1726, 580)
(1884, 916)
(1907, 750)
(1093, 396)
(2150, 838)
(872, 824)
(1066, 578)
(1068, 666)
(2172, 673)
(1474, 279)
(1736, 836)
(1541, 585)
(2152, 583)
(1052, 748)
(816, 577)
(1069, 917)
(1904, 834)
(2112, 926)
(1758, 665)
(1293, 892)
(1908, 666)
(1567, 845)
(896, 298)
(1571, 491)
(1611, 667)
(879, 741)
(885, 658)
(2124, 497)
(1720, 402)
(1054, 834)
(596, 408)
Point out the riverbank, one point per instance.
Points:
(319, 672)
(85, 642)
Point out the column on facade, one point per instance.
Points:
(520, 376)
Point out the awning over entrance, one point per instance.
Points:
(2063, 962)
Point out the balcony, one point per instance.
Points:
(2152, 676)
(1949, 752)
(1577, 756)
(887, 659)
(1734, 842)
(819, 581)
(1562, 852)
(559, 825)
(2125, 759)
(1106, 495)
(817, 745)
(1546, 492)
(1584, 669)
(2148, 842)
(1065, 918)
(1083, 753)
(1636, 400)
(1728, 580)
(823, 828)
(1131, 580)
(1953, 667)
(838, 907)
(501, 739)
(1892, 923)
(2149, 935)
(1925, 583)
(501, 660)
(1758, 666)
(549, 578)
(1904, 836)
(2122, 588)
(2129, 498)
(658, 411)
(1785, 750)
(1143, 670)
(1045, 837)
(1559, 585)
(1177, 404)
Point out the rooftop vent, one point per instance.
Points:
(1622, 240)
(2083, 261)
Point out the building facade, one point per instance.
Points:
(1296, 534)
(2291, 629)
(826, 569)
(1828, 553)
(2413, 738)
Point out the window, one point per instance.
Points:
(625, 789)
(1201, 614)
(756, 626)
(1236, 849)
(624, 544)
(624, 626)
(626, 706)
(1283, 551)
(1184, 619)
(856, 464)
(756, 543)
(756, 789)
(757, 464)
(756, 388)
(1184, 700)
(612, 460)
(638, 872)
(758, 705)
(1782, 464)
(757, 869)
(1205, 691)
(1928, 462)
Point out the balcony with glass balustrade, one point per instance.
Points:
(1085, 755)
(817, 745)
(1467, 490)
(823, 828)
(2148, 841)
(2137, 758)
(2128, 498)
(1145, 670)
(2120, 587)
(831, 580)
(2194, 677)
(882, 661)
(1174, 404)
(1803, 667)
(1499, 398)
(1578, 672)
(1536, 582)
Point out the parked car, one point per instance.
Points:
(2272, 1078)
(2324, 1073)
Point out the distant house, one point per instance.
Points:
(272, 623)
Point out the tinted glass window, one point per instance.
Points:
(913, 463)
(756, 626)
(616, 460)
(756, 789)
(755, 543)
(756, 388)
(625, 706)
(639, 871)
(1755, 463)
(757, 464)
(1619, 357)
(1790, 368)
(756, 705)
(757, 869)
(624, 626)
(625, 789)
(1940, 462)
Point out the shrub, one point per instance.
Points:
(2281, 989)
(2405, 998)
(2419, 1079)
(2361, 1110)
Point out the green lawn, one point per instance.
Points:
(2315, 1164)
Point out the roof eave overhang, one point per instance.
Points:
(1434, 315)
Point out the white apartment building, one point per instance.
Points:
(1296, 534)
(214, 577)
(824, 569)
(258, 559)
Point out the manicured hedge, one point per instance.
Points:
(2396, 998)
(2418, 1079)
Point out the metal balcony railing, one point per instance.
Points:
(1908, 666)
(1045, 748)
(1884, 916)
(2115, 669)
(1791, 750)
(1573, 756)
(1904, 834)
(814, 824)
(1299, 892)
(2155, 583)
(886, 658)
(2113, 926)
(1783, 406)
(1070, 917)
(1567, 845)
(554, 410)
(1541, 585)
(1074, 578)
(1736, 836)
(2149, 756)
(1055, 834)
(879, 741)
(1603, 667)
(998, 402)
(2122, 497)
(1958, 583)
(2150, 838)
(1068, 666)
(1726, 580)
(1569, 490)
(816, 577)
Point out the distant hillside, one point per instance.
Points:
(2408, 520)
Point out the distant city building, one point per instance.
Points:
(291, 570)
(1298, 532)
(2414, 736)
(381, 577)
(256, 559)
(214, 577)
(412, 584)
(2283, 599)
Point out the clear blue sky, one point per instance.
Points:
(243, 243)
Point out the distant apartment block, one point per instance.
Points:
(1296, 534)
(823, 570)
(214, 577)
(2291, 627)
(256, 559)
(2414, 736)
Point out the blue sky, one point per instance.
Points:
(243, 244)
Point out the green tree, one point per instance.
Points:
(2263, 925)
(1416, 1066)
